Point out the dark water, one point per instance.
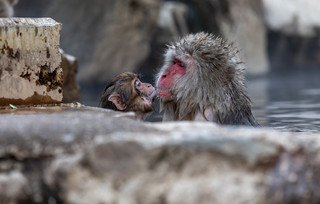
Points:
(289, 102)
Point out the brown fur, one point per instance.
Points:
(129, 96)
(213, 87)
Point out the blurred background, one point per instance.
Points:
(279, 40)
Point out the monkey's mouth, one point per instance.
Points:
(149, 99)
(163, 93)
(151, 96)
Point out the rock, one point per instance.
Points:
(298, 18)
(293, 34)
(6, 8)
(12, 186)
(173, 19)
(71, 88)
(30, 71)
(88, 155)
(119, 34)
(243, 23)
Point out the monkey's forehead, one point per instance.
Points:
(126, 76)
(201, 37)
(197, 42)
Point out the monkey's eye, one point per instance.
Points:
(137, 83)
(179, 63)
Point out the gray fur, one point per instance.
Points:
(216, 66)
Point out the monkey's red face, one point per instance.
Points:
(168, 79)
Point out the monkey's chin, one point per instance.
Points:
(164, 95)
(149, 99)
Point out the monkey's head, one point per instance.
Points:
(126, 92)
(197, 70)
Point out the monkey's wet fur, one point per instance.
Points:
(126, 92)
(202, 78)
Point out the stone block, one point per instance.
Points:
(30, 71)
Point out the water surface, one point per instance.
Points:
(289, 102)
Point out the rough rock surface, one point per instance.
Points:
(91, 155)
(30, 71)
(71, 88)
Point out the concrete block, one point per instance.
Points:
(30, 71)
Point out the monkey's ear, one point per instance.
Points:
(116, 100)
